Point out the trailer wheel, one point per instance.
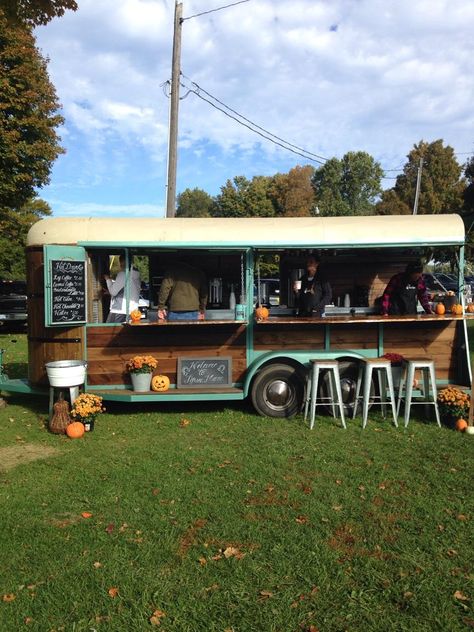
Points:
(277, 391)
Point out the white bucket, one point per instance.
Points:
(66, 372)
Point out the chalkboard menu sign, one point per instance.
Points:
(68, 292)
(204, 372)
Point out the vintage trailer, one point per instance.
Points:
(266, 361)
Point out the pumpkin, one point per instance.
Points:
(470, 308)
(136, 315)
(262, 313)
(457, 309)
(75, 430)
(160, 383)
(461, 425)
(440, 309)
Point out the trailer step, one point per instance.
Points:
(173, 395)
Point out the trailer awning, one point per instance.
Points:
(283, 232)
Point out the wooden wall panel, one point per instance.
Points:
(360, 336)
(286, 337)
(109, 348)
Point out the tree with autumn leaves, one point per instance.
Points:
(29, 118)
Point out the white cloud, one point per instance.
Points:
(329, 76)
(90, 209)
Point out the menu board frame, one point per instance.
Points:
(83, 313)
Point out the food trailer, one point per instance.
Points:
(266, 360)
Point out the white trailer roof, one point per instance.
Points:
(319, 232)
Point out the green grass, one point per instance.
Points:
(337, 530)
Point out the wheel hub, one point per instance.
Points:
(278, 394)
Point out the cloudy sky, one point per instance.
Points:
(329, 76)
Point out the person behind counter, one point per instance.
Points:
(315, 292)
(118, 303)
(184, 291)
(403, 292)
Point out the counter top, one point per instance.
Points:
(180, 323)
(360, 318)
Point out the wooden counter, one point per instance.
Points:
(360, 318)
(180, 323)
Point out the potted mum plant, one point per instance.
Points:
(453, 405)
(85, 409)
(141, 368)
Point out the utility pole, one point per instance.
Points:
(174, 107)
(418, 182)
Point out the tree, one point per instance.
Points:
(241, 197)
(441, 188)
(349, 186)
(194, 203)
(14, 227)
(469, 190)
(28, 117)
(35, 12)
(291, 193)
(391, 204)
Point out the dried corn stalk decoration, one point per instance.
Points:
(60, 419)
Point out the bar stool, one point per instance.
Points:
(383, 369)
(73, 395)
(317, 366)
(427, 367)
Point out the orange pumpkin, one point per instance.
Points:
(262, 313)
(75, 430)
(461, 425)
(160, 383)
(136, 316)
(470, 308)
(440, 309)
(456, 309)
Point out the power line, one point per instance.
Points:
(196, 15)
(254, 127)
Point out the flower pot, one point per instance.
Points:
(141, 382)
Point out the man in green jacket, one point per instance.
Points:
(183, 294)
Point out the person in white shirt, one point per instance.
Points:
(118, 303)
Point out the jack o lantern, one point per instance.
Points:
(262, 313)
(440, 309)
(461, 425)
(470, 308)
(457, 309)
(75, 430)
(135, 316)
(160, 383)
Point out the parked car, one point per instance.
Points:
(440, 282)
(13, 311)
(270, 292)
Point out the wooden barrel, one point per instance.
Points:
(46, 344)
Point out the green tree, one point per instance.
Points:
(441, 188)
(35, 12)
(391, 204)
(241, 197)
(349, 186)
(291, 193)
(194, 203)
(14, 227)
(469, 190)
(28, 117)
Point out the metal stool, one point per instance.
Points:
(73, 395)
(383, 367)
(427, 367)
(318, 365)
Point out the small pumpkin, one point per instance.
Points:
(262, 313)
(470, 308)
(457, 309)
(440, 309)
(461, 425)
(135, 316)
(75, 430)
(160, 383)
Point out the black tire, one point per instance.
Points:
(278, 390)
(348, 371)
